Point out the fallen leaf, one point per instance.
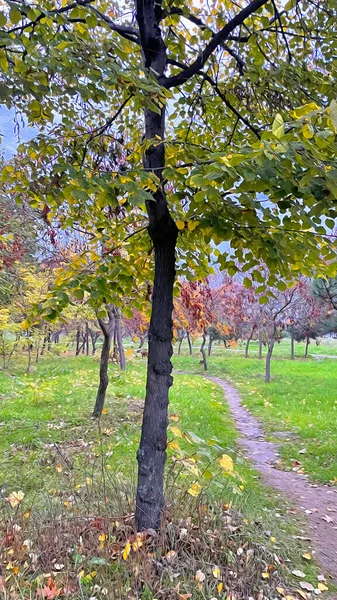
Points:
(216, 572)
(302, 594)
(322, 587)
(200, 576)
(59, 468)
(298, 573)
(328, 519)
(265, 575)
(220, 587)
(126, 550)
(15, 498)
(307, 556)
(280, 590)
(171, 555)
(306, 586)
(226, 463)
(194, 490)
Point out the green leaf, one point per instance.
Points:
(278, 127)
(14, 15)
(333, 114)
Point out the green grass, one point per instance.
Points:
(301, 399)
(52, 450)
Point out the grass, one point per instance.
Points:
(301, 399)
(70, 467)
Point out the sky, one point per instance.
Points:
(9, 137)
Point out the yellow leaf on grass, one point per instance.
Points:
(15, 498)
(265, 575)
(104, 411)
(176, 431)
(59, 468)
(126, 550)
(194, 490)
(216, 572)
(220, 587)
(226, 462)
(180, 225)
(174, 418)
(307, 556)
(322, 587)
(280, 590)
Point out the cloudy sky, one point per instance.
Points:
(8, 132)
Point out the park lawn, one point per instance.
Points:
(57, 455)
(301, 399)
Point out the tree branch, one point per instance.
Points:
(215, 42)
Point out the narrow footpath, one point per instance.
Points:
(317, 502)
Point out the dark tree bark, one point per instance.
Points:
(307, 342)
(249, 339)
(78, 338)
(119, 339)
(94, 335)
(107, 330)
(87, 339)
(163, 231)
(189, 343)
(179, 345)
(29, 348)
(203, 353)
(49, 342)
(292, 347)
(210, 342)
(271, 344)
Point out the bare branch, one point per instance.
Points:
(215, 42)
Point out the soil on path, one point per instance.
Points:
(318, 502)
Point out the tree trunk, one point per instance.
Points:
(307, 347)
(163, 231)
(49, 342)
(268, 360)
(119, 339)
(189, 343)
(87, 339)
(30, 348)
(151, 455)
(103, 375)
(78, 337)
(210, 342)
(260, 344)
(179, 345)
(247, 347)
(292, 347)
(43, 345)
(203, 353)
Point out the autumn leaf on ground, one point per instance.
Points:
(226, 463)
(200, 576)
(15, 498)
(216, 572)
(126, 550)
(49, 591)
(194, 490)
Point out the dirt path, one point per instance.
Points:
(319, 503)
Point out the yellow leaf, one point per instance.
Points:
(307, 556)
(104, 411)
(194, 490)
(126, 550)
(59, 468)
(138, 543)
(171, 555)
(174, 418)
(322, 587)
(265, 575)
(180, 225)
(15, 570)
(280, 590)
(15, 498)
(273, 539)
(176, 431)
(303, 594)
(220, 587)
(192, 225)
(216, 572)
(102, 537)
(226, 462)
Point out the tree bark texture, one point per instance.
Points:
(119, 340)
(189, 343)
(107, 329)
(162, 229)
(203, 353)
(307, 342)
(268, 360)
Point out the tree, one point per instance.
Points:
(305, 319)
(231, 68)
(108, 328)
